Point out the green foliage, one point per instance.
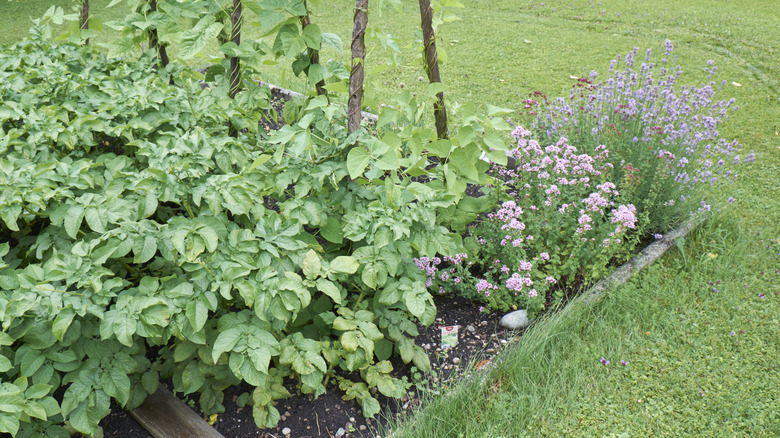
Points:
(189, 28)
(143, 242)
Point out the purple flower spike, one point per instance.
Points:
(732, 333)
(761, 295)
(604, 361)
(624, 363)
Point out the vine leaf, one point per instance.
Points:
(357, 161)
(195, 39)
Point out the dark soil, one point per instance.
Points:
(479, 336)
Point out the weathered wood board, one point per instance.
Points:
(165, 416)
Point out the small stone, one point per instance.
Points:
(286, 431)
(352, 419)
(483, 323)
(456, 360)
(362, 427)
(515, 320)
(490, 351)
(340, 432)
(427, 346)
(470, 329)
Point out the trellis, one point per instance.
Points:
(357, 70)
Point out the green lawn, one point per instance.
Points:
(686, 374)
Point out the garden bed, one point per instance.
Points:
(310, 291)
(480, 339)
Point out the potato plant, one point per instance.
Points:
(140, 241)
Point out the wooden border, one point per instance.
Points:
(165, 416)
(647, 256)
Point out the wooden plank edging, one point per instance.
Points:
(165, 416)
(647, 256)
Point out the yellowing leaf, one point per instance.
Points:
(311, 265)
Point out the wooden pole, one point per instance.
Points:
(356, 74)
(84, 17)
(432, 66)
(314, 57)
(235, 36)
(235, 67)
(154, 42)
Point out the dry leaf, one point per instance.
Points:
(481, 364)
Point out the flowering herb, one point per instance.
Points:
(663, 137)
(561, 218)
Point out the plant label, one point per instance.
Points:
(449, 336)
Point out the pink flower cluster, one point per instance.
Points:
(548, 172)
(428, 265)
(625, 217)
(516, 282)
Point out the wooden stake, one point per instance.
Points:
(235, 36)
(154, 42)
(356, 74)
(432, 65)
(84, 18)
(314, 57)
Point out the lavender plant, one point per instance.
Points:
(561, 224)
(663, 137)
(625, 157)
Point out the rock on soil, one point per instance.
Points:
(515, 320)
